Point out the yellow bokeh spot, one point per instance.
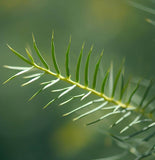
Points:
(70, 139)
(112, 10)
(110, 15)
(12, 3)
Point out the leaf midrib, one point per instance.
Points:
(102, 95)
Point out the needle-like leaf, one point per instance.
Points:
(30, 81)
(96, 71)
(29, 55)
(91, 111)
(18, 74)
(77, 96)
(131, 124)
(111, 79)
(146, 154)
(67, 90)
(33, 75)
(19, 55)
(123, 87)
(17, 67)
(134, 91)
(78, 64)
(116, 108)
(87, 65)
(48, 84)
(60, 89)
(116, 80)
(101, 118)
(149, 137)
(49, 103)
(121, 119)
(149, 102)
(83, 106)
(145, 94)
(39, 54)
(35, 94)
(67, 59)
(51, 83)
(53, 55)
(141, 131)
(104, 81)
(109, 107)
(86, 95)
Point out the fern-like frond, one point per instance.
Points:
(110, 101)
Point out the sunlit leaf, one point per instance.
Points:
(17, 67)
(30, 81)
(91, 111)
(74, 97)
(86, 95)
(51, 83)
(83, 106)
(101, 118)
(18, 74)
(67, 90)
(33, 75)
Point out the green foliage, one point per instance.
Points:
(78, 64)
(128, 113)
(67, 59)
(53, 55)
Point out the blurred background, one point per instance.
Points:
(122, 30)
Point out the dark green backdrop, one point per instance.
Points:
(27, 132)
